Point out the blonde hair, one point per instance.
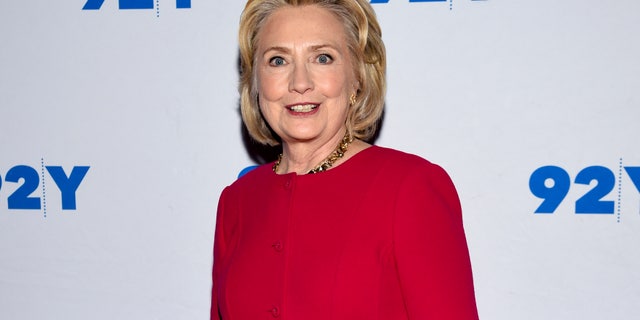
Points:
(364, 40)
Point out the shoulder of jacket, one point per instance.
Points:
(252, 177)
(404, 159)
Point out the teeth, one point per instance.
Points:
(302, 108)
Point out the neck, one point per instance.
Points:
(303, 157)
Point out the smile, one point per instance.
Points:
(302, 108)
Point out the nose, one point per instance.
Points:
(301, 81)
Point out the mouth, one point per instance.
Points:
(303, 108)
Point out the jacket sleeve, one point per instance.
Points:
(219, 246)
(430, 248)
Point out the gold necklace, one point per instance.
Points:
(328, 162)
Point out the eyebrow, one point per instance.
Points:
(323, 46)
(276, 49)
(287, 50)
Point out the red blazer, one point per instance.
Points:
(377, 237)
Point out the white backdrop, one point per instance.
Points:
(146, 98)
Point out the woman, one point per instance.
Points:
(336, 228)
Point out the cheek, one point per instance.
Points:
(270, 86)
(264, 104)
(336, 83)
(269, 109)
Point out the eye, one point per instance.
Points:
(277, 61)
(324, 59)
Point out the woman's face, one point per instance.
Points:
(305, 74)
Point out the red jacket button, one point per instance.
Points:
(275, 312)
(277, 246)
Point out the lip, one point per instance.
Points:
(303, 108)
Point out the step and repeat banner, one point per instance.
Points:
(119, 127)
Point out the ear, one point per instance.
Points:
(356, 87)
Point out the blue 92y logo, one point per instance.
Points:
(133, 4)
(28, 180)
(552, 184)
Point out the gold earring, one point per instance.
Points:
(352, 100)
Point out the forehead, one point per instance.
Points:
(291, 26)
